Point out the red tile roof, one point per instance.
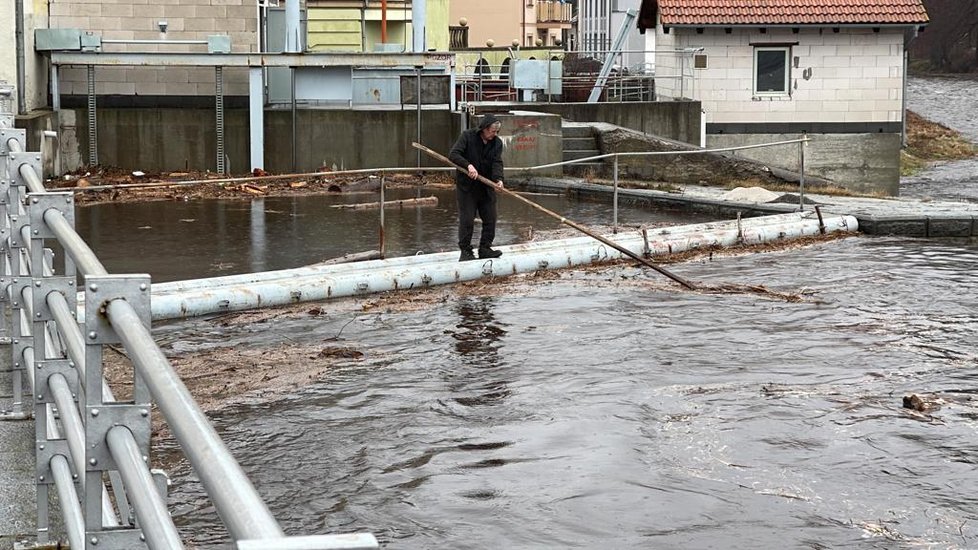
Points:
(791, 12)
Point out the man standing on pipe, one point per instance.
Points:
(480, 151)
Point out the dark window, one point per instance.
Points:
(771, 70)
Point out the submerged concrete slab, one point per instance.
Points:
(884, 216)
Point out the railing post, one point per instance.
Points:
(801, 179)
(100, 416)
(48, 445)
(14, 245)
(6, 121)
(614, 208)
(383, 242)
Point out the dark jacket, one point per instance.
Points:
(486, 157)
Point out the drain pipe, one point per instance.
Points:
(21, 57)
(410, 261)
(378, 276)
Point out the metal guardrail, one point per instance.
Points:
(85, 435)
(802, 144)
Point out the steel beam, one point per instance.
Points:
(164, 59)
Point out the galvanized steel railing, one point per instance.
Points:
(85, 435)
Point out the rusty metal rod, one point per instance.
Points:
(562, 219)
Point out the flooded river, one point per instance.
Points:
(610, 410)
(208, 238)
(595, 409)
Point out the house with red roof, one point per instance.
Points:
(769, 70)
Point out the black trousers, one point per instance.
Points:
(475, 198)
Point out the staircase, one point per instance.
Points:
(579, 142)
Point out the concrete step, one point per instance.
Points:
(578, 143)
(574, 155)
(574, 131)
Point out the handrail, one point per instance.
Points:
(68, 350)
(243, 511)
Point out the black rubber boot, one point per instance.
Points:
(466, 255)
(486, 253)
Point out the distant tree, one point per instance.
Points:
(950, 41)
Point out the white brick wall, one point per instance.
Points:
(137, 19)
(857, 74)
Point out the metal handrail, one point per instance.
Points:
(244, 513)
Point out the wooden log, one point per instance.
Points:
(354, 257)
(422, 201)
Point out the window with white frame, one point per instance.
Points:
(771, 70)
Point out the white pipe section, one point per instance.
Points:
(404, 261)
(380, 276)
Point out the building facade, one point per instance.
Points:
(831, 70)
(598, 24)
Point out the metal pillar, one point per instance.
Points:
(101, 416)
(219, 107)
(256, 116)
(92, 121)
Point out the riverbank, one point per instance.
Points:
(929, 142)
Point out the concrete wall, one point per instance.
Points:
(183, 139)
(8, 45)
(134, 19)
(35, 17)
(355, 139)
(863, 163)
(530, 139)
(678, 120)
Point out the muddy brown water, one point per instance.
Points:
(207, 238)
(597, 409)
(606, 409)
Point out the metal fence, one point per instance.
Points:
(481, 80)
(92, 449)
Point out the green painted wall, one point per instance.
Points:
(437, 26)
(334, 30)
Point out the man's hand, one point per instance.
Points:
(500, 183)
(473, 173)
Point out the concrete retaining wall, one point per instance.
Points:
(184, 139)
(161, 139)
(863, 163)
(677, 120)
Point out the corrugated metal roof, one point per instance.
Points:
(791, 12)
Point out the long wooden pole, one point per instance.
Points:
(562, 219)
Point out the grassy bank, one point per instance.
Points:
(929, 142)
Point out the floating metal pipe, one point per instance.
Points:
(379, 277)
(237, 502)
